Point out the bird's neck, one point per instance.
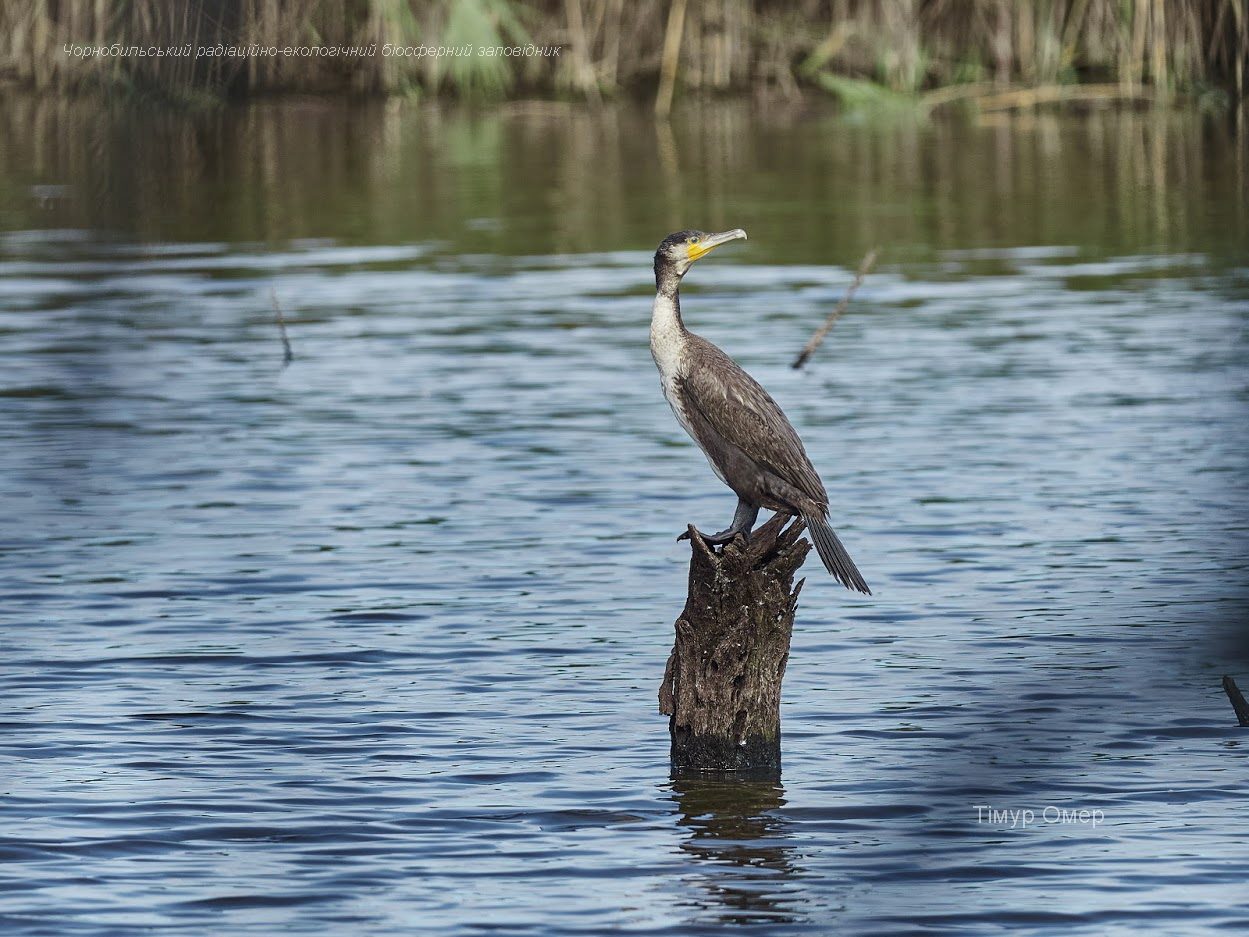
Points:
(666, 313)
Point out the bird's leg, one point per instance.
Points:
(743, 521)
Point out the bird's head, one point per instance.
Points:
(677, 253)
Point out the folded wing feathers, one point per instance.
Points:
(720, 389)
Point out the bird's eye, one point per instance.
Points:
(693, 240)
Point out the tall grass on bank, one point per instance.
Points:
(614, 46)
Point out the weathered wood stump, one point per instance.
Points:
(722, 686)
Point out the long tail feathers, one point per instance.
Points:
(836, 560)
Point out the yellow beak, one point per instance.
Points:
(712, 241)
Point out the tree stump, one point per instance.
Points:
(722, 686)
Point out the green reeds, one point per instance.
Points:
(613, 46)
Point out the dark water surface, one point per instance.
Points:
(371, 644)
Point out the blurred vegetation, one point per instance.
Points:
(858, 50)
(543, 178)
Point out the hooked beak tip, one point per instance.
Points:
(712, 241)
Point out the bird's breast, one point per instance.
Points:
(671, 353)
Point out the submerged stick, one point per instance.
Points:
(287, 355)
(722, 685)
(1238, 700)
(864, 267)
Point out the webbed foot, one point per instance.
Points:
(743, 521)
(714, 540)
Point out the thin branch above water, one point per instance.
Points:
(813, 343)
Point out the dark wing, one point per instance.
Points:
(743, 414)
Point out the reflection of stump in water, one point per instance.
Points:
(738, 828)
(722, 685)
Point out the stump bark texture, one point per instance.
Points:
(722, 686)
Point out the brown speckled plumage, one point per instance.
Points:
(741, 429)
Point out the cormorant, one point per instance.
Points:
(744, 434)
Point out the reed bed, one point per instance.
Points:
(610, 47)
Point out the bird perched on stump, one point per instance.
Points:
(750, 444)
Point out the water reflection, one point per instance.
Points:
(552, 178)
(738, 833)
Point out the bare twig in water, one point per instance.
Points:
(1238, 700)
(287, 355)
(868, 260)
